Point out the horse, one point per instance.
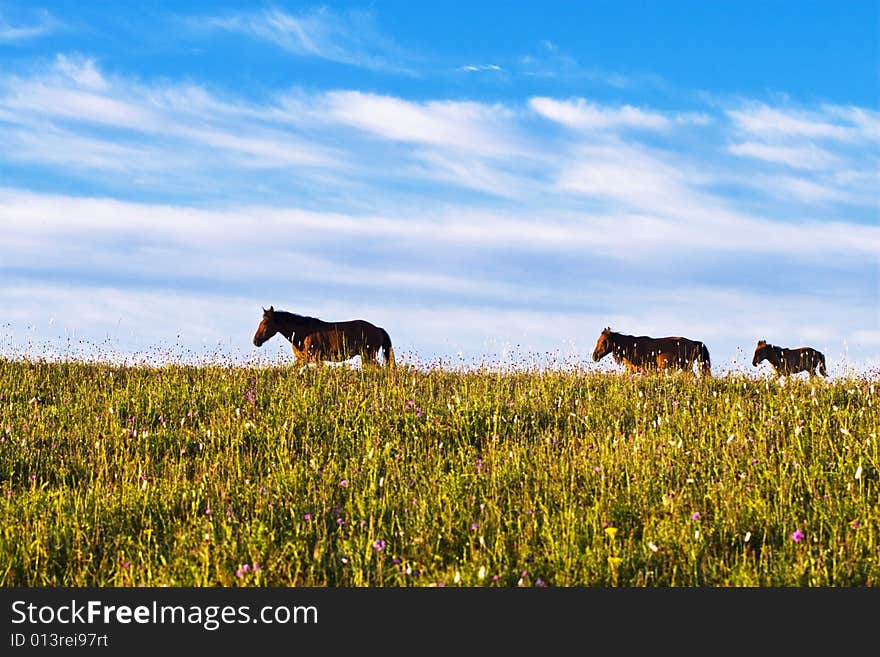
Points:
(315, 341)
(642, 353)
(790, 361)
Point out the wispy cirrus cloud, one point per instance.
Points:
(465, 126)
(471, 68)
(797, 157)
(845, 124)
(351, 37)
(29, 27)
(822, 154)
(582, 114)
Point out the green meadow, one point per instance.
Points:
(275, 475)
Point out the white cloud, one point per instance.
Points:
(583, 115)
(480, 67)
(798, 157)
(43, 24)
(350, 37)
(466, 126)
(762, 120)
(81, 70)
(75, 97)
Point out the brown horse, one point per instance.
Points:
(790, 361)
(641, 353)
(314, 340)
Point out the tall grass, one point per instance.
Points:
(217, 475)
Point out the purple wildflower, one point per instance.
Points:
(797, 536)
(379, 545)
(695, 515)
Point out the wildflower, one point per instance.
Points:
(859, 471)
(126, 564)
(379, 545)
(695, 515)
(753, 461)
(307, 516)
(482, 572)
(652, 546)
(797, 536)
(854, 524)
(747, 537)
(474, 526)
(479, 465)
(495, 578)
(343, 483)
(611, 531)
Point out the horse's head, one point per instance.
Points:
(603, 345)
(267, 327)
(760, 352)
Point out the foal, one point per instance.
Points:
(790, 361)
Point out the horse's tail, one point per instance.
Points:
(387, 349)
(822, 364)
(705, 362)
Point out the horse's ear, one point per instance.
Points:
(264, 310)
(271, 309)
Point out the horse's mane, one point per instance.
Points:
(283, 315)
(632, 337)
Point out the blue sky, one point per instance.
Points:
(488, 181)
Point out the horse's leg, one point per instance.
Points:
(662, 362)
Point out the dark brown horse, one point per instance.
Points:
(790, 361)
(314, 340)
(642, 354)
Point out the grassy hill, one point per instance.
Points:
(275, 476)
